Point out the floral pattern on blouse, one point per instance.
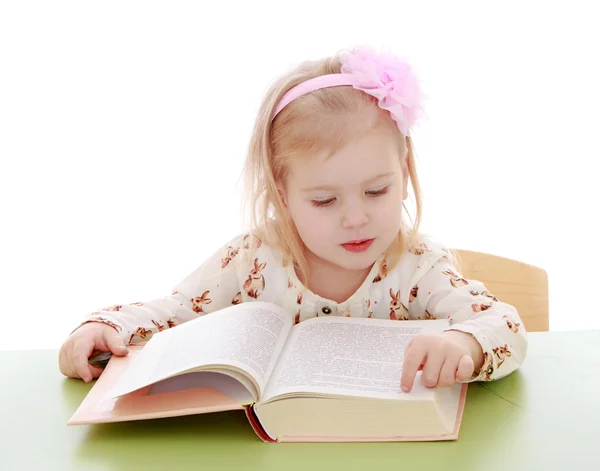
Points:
(424, 285)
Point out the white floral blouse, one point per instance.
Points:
(424, 285)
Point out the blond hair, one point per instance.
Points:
(321, 120)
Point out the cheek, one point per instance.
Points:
(390, 212)
(311, 222)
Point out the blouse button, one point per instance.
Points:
(326, 310)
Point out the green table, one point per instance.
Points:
(546, 416)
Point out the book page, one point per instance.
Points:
(249, 336)
(224, 383)
(349, 356)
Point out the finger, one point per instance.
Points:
(431, 370)
(412, 363)
(448, 372)
(407, 353)
(465, 369)
(81, 352)
(95, 370)
(63, 362)
(72, 372)
(114, 342)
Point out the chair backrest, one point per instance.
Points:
(517, 283)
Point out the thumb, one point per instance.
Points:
(114, 342)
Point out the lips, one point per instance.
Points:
(358, 245)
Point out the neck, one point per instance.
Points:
(333, 282)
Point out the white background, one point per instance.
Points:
(124, 125)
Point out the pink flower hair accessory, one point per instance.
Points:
(389, 79)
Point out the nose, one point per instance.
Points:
(354, 215)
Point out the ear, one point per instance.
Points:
(281, 192)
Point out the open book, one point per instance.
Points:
(324, 379)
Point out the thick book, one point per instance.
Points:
(323, 379)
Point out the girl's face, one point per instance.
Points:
(355, 195)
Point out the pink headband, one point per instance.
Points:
(387, 78)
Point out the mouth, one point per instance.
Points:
(358, 245)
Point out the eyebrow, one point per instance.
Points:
(325, 187)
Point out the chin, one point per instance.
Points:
(357, 261)
(363, 265)
(348, 261)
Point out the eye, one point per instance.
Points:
(383, 191)
(323, 203)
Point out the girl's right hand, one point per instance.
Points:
(79, 346)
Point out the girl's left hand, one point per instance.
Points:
(445, 358)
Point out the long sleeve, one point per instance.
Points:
(444, 294)
(212, 286)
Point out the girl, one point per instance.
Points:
(327, 173)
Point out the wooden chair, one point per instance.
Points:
(517, 283)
